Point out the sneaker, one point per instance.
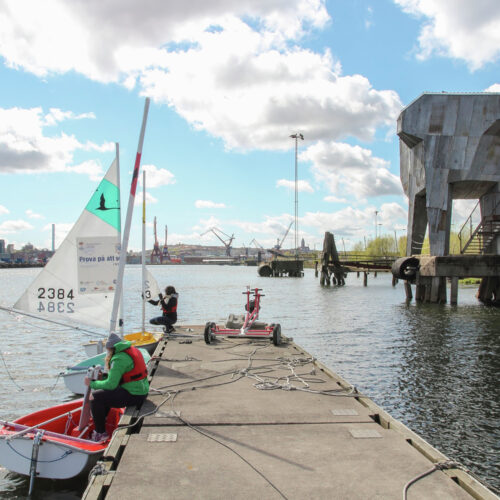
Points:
(99, 436)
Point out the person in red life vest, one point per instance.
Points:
(168, 304)
(126, 383)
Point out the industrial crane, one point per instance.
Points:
(257, 244)
(280, 243)
(156, 254)
(226, 243)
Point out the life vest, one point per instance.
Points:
(139, 371)
(171, 309)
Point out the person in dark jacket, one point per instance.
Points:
(168, 304)
(126, 383)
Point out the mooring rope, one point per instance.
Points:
(447, 464)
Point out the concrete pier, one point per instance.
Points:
(243, 419)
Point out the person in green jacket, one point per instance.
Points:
(126, 383)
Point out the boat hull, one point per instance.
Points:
(55, 461)
(74, 376)
(144, 340)
(62, 454)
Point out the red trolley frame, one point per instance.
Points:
(273, 331)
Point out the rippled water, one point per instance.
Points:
(435, 368)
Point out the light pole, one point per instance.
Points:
(376, 213)
(296, 136)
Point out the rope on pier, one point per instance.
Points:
(98, 470)
(447, 464)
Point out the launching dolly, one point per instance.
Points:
(245, 325)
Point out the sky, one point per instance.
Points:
(229, 82)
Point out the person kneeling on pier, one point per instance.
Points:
(126, 383)
(168, 304)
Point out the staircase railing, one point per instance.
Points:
(468, 232)
(469, 228)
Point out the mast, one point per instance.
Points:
(120, 314)
(143, 255)
(128, 221)
(296, 136)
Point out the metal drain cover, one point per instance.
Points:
(162, 438)
(364, 433)
(345, 411)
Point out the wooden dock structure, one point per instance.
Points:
(242, 418)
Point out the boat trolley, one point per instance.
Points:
(245, 325)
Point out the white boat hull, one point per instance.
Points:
(74, 380)
(94, 348)
(55, 460)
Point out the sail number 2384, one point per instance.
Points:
(54, 298)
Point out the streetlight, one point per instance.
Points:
(376, 213)
(296, 136)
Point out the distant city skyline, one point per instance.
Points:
(229, 83)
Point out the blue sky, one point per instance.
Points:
(229, 82)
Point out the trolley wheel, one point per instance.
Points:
(208, 332)
(277, 334)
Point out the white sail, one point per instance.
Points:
(151, 288)
(78, 283)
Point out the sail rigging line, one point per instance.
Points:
(88, 333)
(9, 374)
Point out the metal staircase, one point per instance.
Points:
(476, 241)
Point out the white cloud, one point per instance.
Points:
(208, 204)
(251, 94)
(460, 29)
(56, 115)
(302, 186)
(33, 215)
(156, 177)
(205, 225)
(230, 68)
(14, 226)
(275, 225)
(4, 210)
(335, 199)
(462, 209)
(61, 230)
(493, 88)
(356, 223)
(24, 148)
(150, 199)
(90, 168)
(32, 32)
(352, 169)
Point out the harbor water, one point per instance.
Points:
(435, 368)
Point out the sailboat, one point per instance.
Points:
(56, 442)
(50, 443)
(150, 289)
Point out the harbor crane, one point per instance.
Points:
(280, 243)
(156, 255)
(257, 244)
(226, 243)
(165, 253)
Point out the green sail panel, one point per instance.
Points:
(105, 204)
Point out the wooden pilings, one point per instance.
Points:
(489, 290)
